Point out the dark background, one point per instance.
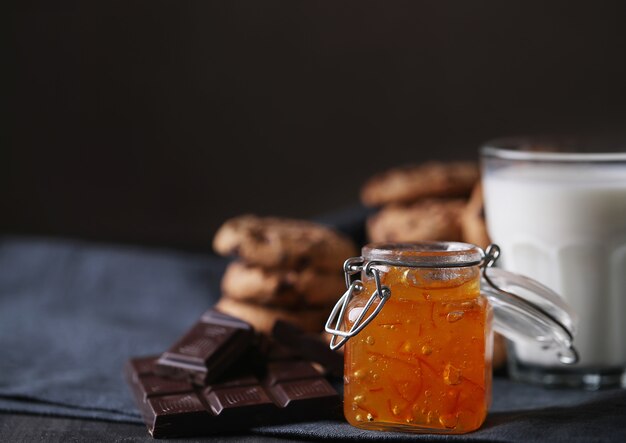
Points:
(151, 122)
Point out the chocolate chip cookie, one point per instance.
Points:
(421, 221)
(282, 287)
(410, 183)
(273, 242)
(473, 220)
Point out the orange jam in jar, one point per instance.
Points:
(423, 363)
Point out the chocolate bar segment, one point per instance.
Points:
(170, 414)
(309, 347)
(175, 408)
(154, 385)
(299, 393)
(237, 402)
(278, 371)
(207, 349)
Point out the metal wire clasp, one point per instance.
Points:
(351, 266)
(491, 255)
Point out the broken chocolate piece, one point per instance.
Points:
(207, 350)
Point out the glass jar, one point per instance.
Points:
(419, 339)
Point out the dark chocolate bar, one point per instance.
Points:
(207, 350)
(288, 391)
(309, 347)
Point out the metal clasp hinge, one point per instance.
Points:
(353, 266)
(491, 255)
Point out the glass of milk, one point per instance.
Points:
(557, 209)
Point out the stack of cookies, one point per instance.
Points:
(288, 270)
(425, 202)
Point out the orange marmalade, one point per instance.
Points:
(423, 364)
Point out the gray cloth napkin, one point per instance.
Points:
(72, 313)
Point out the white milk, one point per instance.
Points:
(565, 225)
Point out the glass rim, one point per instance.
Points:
(516, 148)
(424, 254)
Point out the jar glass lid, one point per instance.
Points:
(529, 312)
